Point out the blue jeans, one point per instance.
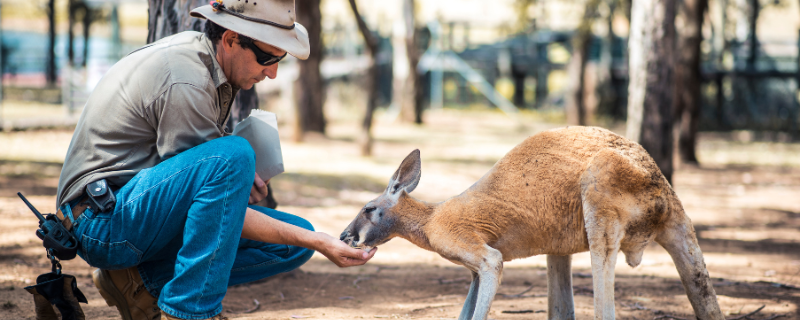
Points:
(181, 221)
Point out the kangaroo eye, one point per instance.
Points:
(369, 209)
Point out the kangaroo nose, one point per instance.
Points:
(350, 240)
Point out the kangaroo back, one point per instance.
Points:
(537, 186)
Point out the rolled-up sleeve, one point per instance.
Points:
(187, 118)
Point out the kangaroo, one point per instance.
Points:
(559, 192)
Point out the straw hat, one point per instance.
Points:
(268, 21)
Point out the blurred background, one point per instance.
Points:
(733, 64)
(708, 87)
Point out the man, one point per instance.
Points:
(179, 230)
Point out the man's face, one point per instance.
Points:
(242, 68)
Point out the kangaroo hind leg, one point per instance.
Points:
(472, 298)
(679, 239)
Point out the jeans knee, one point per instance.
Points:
(306, 255)
(236, 152)
(303, 223)
(238, 149)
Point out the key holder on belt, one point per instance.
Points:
(55, 289)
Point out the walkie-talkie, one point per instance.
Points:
(56, 239)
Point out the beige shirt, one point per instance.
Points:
(156, 102)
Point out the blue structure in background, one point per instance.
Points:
(25, 52)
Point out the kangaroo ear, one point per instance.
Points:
(407, 175)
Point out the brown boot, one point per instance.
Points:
(125, 290)
(44, 310)
(165, 316)
(57, 294)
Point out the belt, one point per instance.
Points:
(77, 211)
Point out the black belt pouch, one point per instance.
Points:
(101, 196)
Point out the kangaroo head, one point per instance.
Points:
(375, 223)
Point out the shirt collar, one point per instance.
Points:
(217, 75)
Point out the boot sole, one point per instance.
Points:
(110, 293)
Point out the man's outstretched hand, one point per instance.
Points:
(340, 253)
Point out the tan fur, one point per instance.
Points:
(559, 192)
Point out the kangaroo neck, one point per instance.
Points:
(414, 215)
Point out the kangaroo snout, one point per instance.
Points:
(349, 238)
(370, 228)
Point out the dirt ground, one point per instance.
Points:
(744, 201)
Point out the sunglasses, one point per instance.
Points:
(264, 58)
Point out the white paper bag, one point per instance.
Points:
(261, 130)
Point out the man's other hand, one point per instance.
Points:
(259, 190)
(341, 254)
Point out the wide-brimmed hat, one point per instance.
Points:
(268, 21)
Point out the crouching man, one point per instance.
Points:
(156, 190)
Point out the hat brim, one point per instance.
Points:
(294, 41)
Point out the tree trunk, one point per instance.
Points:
(651, 50)
(608, 102)
(71, 9)
(581, 41)
(50, 67)
(755, 10)
(87, 24)
(168, 17)
(309, 91)
(519, 89)
(411, 108)
(688, 78)
(371, 42)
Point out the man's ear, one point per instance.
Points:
(228, 39)
(407, 175)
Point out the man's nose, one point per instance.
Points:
(271, 71)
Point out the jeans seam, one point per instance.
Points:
(218, 240)
(183, 315)
(257, 265)
(171, 176)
